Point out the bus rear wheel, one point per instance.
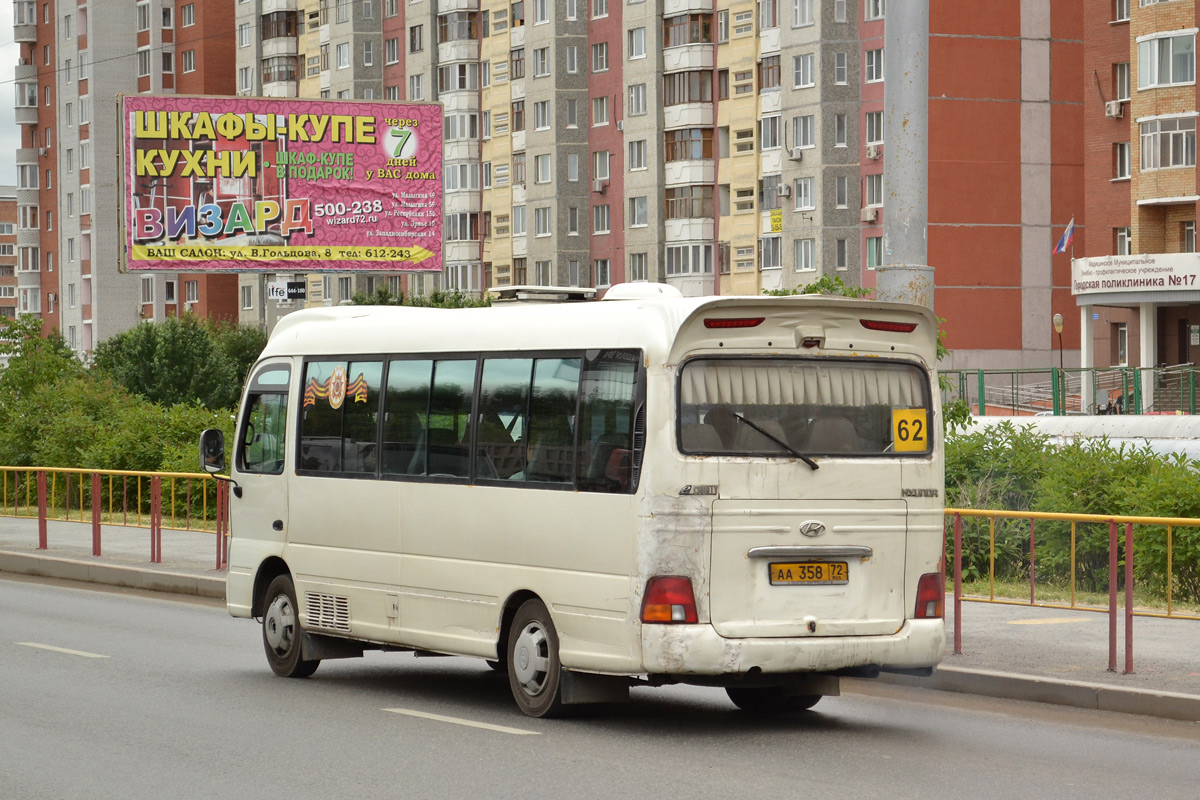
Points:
(281, 631)
(534, 670)
(770, 699)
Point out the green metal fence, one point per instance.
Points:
(1075, 390)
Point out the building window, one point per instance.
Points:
(770, 252)
(600, 219)
(874, 184)
(689, 259)
(1121, 160)
(802, 13)
(541, 220)
(1120, 10)
(637, 154)
(1167, 61)
(391, 51)
(802, 131)
(518, 115)
(518, 221)
(1121, 81)
(691, 202)
(187, 15)
(840, 69)
(1189, 236)
(840, 133)
(874, 251)
(769, 133)
(541, 11)
(874, 9)
(518, 170)
(143, 16)
(416, 38)
(687, 87)
(600, 57)
(541, 62)
(804, 194)
(416, 87)
(636, 46)
(874, 125)
(541, 168)
(1121, 332)
(572, 59)
(768, 73)
(637, 267)
(603, 272)
(148, 289)
(637, 100)
(723, 26)
(802, 71)
(600, 110)
(804, 254)
(600, 163)
(841, 258)
(599, 8)
(1122, 241)
(516, 66)
(1169, 142)
(873, 70)
(841, 192)
(637, 212)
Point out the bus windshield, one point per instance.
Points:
(774, 406)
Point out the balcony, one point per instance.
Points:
(271, 6)
(672, 8)
(688, 115)
(444, 6)
(458, 50)
(280, 46)
(461, 251)
(27, 156)
(682, 173)
(461, 150)
(688, 230)
(26, 115)
(25, 72)
(463, 201)
(25, 33)
(687, 57)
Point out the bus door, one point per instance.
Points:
(259, 506)
(810, 529)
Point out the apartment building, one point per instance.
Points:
(75, 59)
(8, 252)
(1137, 290)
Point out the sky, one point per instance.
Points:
(10, 135)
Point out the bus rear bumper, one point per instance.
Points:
(699, 650)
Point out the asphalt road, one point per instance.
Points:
(117, 695)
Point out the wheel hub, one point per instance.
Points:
(529, 660)
(279, 624)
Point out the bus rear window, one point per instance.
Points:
(772, 406)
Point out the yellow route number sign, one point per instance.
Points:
(910, 429)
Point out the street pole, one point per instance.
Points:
(905, 276)
(1062, 379)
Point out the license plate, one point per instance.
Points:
(811, 573)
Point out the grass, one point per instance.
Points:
(1053, 593)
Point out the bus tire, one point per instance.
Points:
(534, 670)
(770, 699)
(281, 631)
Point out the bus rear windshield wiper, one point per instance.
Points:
(779, 442)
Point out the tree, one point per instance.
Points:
(439, 299)
(34, 364)
(174, 361)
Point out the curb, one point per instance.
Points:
(1077, 694)
(112, 575)
(1005, 685)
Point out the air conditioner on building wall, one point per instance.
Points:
(599, 185)
(874, 151)
(1113, 108)
(797, 154)
(869, 214)
(785, 191)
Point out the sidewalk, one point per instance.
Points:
(1018, 652)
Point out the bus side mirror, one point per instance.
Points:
(212, 451)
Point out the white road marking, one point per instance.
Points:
(467, 722)
(61, 650)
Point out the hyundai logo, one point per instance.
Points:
(812, 528)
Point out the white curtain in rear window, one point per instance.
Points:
(788, 382)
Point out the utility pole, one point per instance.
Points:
(904, 275)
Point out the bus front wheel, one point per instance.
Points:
(534, 670)
(770, 699)
(281, 631)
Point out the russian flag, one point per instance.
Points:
(1067, 237)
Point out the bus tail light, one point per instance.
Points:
(733, 322)
(669, 600)
(888, 327)
(931, 596)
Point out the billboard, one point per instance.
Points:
(280, 184)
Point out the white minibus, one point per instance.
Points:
(738, 492)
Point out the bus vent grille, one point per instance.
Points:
(328, 611)
(639, 444)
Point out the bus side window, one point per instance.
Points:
(263, 436)
(551, 410)
(406, 409)
(606, 425)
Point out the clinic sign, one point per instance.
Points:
(280, 185)
(1160, 272)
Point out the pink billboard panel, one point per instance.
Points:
(280, 184)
